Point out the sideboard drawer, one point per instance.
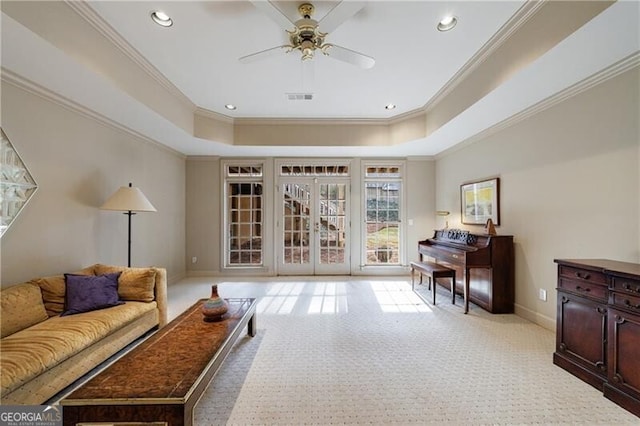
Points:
(626, 301)
(626, 285)
(583, 274)
(587, 289)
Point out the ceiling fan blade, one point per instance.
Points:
(274, 51)
(274, 13)
(350, 56)
(339, 14)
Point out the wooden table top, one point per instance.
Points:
(170, 363)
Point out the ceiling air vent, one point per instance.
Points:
(300, 96)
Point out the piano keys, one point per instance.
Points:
(487, 261)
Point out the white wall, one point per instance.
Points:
(78, 163)
(570, 186)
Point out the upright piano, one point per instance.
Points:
(486, 261)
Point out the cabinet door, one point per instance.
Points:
(582, 333)
(624, 368)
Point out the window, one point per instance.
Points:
(244, 215)
(314, 170)
(382, 235)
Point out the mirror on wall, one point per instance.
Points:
(17, 185)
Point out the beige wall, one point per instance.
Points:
(569, 186)
(421, 204)
(78, 163)
(204, 204)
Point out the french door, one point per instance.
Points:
(313, 226)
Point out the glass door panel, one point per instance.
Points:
(332, 223)
(314, 227)
(296, 227)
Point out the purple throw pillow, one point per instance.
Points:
(86, 293)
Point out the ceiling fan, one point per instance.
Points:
(308, 35)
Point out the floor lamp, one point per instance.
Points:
(128, 199)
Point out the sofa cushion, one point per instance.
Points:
(32, 351)
(21, 307)
(134, 283)
(86, 293)
(54, 289)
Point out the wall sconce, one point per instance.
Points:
(444, 213)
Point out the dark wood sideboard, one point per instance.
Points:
(485, 261)
(598, 326)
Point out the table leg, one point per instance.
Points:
(413, 276)
(467, 278)
(432, 284)
(251, 327)
(453, 289)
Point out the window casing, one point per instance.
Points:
(382, 234)
(244, 216)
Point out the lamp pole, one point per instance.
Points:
(129, 213)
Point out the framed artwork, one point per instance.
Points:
(16, 184)
(480, 201)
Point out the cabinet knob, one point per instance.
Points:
(628, 303)
(629, 287)
(586, 290)
(583, 275)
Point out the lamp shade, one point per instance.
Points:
(128, 198)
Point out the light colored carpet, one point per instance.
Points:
(372, 352)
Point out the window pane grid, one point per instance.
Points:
(244, 217)
(296, 237)
(382, 172)
(382, 233)
(332, 223)
(244, 171)
(312, 170)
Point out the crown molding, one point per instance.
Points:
(204, 158)
(252, 121)
(203, 112)
(36, 89)
(626, 64)
(420, 112)
(522, 15)
(421, 158)
(310, 121)
(82, 8)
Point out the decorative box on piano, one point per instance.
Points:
(487, 261)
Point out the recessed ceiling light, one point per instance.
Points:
(161, 18)
(390, 106)
(447, 23)
(230, 107)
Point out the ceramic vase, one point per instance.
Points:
(215, 307)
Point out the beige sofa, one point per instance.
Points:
(42, 352)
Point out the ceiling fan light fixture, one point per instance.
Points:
(447, 23)
(306, 36)
(161, 18)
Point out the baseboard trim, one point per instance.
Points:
(535, 317)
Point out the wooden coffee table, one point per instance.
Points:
(161, 380)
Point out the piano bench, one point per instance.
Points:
(432, 271)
